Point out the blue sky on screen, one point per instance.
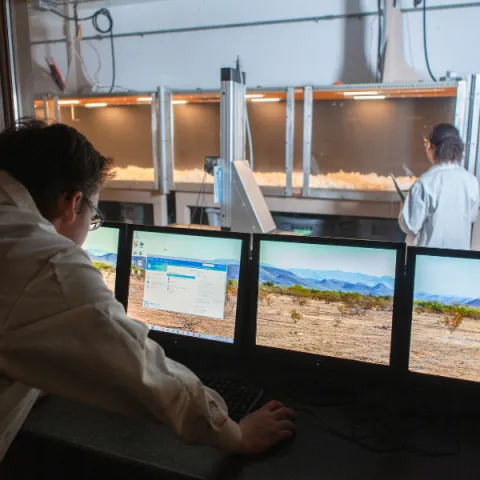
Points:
(375, 262)
(188, 246)
(105, 239)
(448, 276)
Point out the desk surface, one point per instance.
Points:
(313, 454)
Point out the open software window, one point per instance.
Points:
(185, 284)
(189, 287)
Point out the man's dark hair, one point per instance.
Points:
(447, 143)
(51, 160)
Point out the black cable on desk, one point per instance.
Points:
(103, 13)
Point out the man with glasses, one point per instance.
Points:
(58, 319)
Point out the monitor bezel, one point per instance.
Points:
(173, 342)
(428, 379)
(318, 361)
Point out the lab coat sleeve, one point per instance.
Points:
(83, 346)
(414, 211)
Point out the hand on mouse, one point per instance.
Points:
(266, 427)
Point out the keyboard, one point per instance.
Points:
(240, 399)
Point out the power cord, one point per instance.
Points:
(102, 13)
(425, 46)
(381, 435)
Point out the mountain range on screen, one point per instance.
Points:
(448, 299)
(102, 256)
(328, 280)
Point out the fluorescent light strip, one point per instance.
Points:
(355, 94)
(68, 102)
(254, 95)
(266, 100)
(95, 105)
(376, 97)
(179, 102)
(144, 99)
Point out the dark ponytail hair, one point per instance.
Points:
(448, 146)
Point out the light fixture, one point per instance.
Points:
(372, 97)
(355, 94)
(95, 105)
(266, 100)
(179, 102)
(68, 102)
(254, 95)
(144, 99)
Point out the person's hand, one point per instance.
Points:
(266, 427)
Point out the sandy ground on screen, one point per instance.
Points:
(323, 330)
(436, 351)
(191, 323)
(109, 279)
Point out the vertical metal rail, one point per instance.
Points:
(289, 139)
(462, 108)
(155, 108)
(232, 135)
(56, 109)
(15, 62)
(164, 139)
(45, 108)
(307, 139)
(471, 153)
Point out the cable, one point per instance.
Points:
(200, 193)
(108, 30)
(425, 47)
(379, 44)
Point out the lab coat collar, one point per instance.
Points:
(12, 192)
(445, 165)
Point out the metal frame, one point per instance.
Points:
(156, 142)
(16, 62)
(232, 135)
(307, 139)
(462, 109)
(471, 146)
(289, 140)
(165, 140)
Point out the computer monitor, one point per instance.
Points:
(103, 246)
(326, 297)
(444, 288)
(187, 284)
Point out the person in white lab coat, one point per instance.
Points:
(442, 206)
(61, 329)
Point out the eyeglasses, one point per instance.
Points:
(426, 141)
(97, 218)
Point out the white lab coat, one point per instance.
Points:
(441, 207)
(62, 331)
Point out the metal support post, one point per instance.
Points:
(232, 135)
(307, 139)
(471, 150)
(462, 108)
(15, 63)
(155, 121)
(165, 149)
(290, 135)
(56, 109)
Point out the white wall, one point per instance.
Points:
(273, 55)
